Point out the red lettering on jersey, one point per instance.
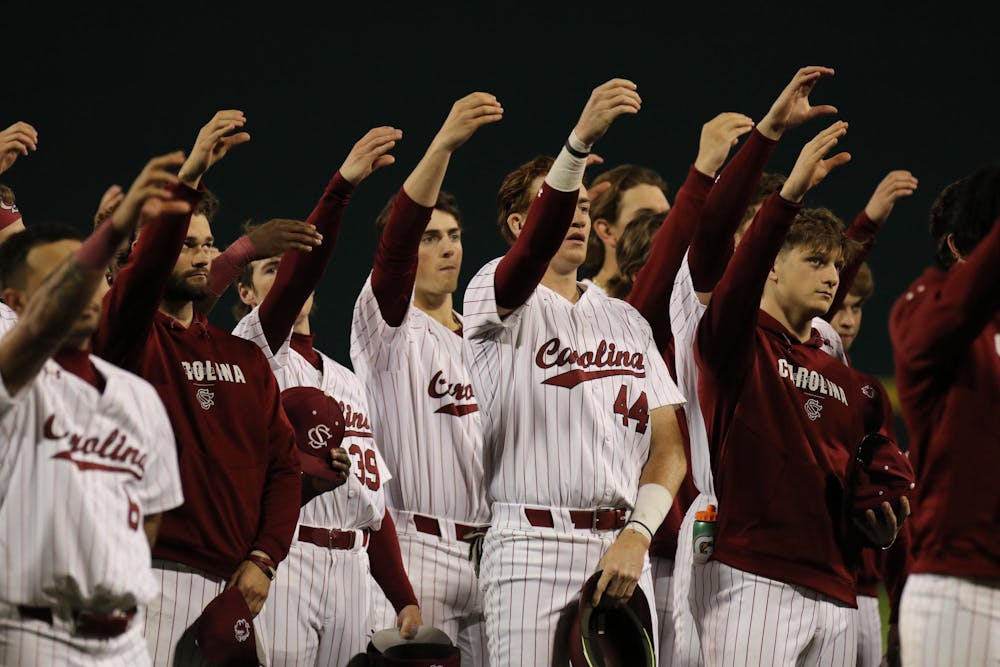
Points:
(120, 457)
(613, 362)
(439, 387)
(355, 423)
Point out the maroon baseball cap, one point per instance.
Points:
(611, 634)
(882, 473)
(224, 631)
(319, 427)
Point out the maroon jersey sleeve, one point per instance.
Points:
(135, 296)
(931, 336)
(280, 501)
(521, 269)
(724, 342)
(227, 266)
(651, 292)
(862, 230)
(387, 565)
(395, 268)
(712, 245)
(299, 272)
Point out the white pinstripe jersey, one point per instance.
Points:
(685, 314)
(360, 503)
(565, 390)
(79, 470)
(425, 414)
(8, 318)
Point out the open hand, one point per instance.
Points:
(151, 195)
(278, 236)
(467, 115)
(370, 153)
(16, 141)
(881, 528)
(812, 166)
(621, 567)
(792, 107)
(607, 102)
(212, 144)
(718, 136)
(892, 188)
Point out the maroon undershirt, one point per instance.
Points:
(79, 364)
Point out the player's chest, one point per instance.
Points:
(439, 378)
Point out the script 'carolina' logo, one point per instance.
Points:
(609, 360)
(319, 436)
(440, 387)
(355, 423)
(91, 453)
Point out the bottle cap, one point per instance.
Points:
(707, 514)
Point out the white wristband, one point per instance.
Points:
(651, 506)
(566, 173)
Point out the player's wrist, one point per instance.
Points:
(264, 562)
(651, 506)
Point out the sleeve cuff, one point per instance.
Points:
(340, 186)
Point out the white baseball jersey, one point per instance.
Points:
(8, 318)
(360, 503)
(426, 417)
(565, 390)
(79, 470)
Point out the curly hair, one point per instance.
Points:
(632, 251)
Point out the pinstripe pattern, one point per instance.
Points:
(69, 533)
(950, 621)
(8, 318)
(326, 595)
(529, 575)
(552, 445)
(749, 620)
(663, 575)
(437, 457)
(317, 612)
(169, 630)
(446, 585)
(869, 632)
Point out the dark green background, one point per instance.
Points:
(109, 87)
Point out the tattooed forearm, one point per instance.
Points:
(46, 322)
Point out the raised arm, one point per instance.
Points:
(892, 188)
(47, 317)
(395, 267)
(551, 212)
(15, 141)
(299, 272)
(136, 294)
(651, 292)
(725, 336)
(712, 245)
(938, 330)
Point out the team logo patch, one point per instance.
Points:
(813, 409)
(868, 391)
(241, 630)
(206, 399)
(319, 436)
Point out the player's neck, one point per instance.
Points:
(607, 272)
(182, 311)
(439, 307)
(796, 320)
(302, 326)
(562, 283)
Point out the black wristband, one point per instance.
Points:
(575, 153)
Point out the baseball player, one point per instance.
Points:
(724, 216)
(783, 421)
(945, 331)
(319, 612)
(580, 437)
(239, 465)
(406, 346)
(651, 273)
(87, 458)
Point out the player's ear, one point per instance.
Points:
(515, 221)
(953, 249)
(604, 231)
(14, 299)
(246, 294)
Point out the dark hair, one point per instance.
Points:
(446, 203)
(208, 206)
(607, 205)
(864, 284)
(244, 277)
(515, 192)
(821, 230)
(632, 251)
(768, 183)
(14, 251)
(966, 209)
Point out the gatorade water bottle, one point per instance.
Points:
(704, 534)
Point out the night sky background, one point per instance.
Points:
(108, 87)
